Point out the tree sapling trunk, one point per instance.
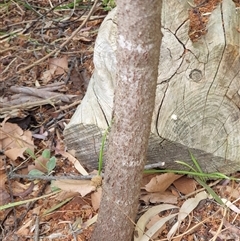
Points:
(139, 38)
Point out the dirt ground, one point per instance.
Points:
(46, 61)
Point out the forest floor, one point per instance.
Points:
(46, 61)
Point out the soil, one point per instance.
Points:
(30, 31)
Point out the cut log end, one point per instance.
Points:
(86, 141)
(197, 97)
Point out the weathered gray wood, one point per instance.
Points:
(197, 97)
(159, 150)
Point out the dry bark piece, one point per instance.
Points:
(29, 97)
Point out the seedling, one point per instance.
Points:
(50, 163)
(108, 4)
(100, 157)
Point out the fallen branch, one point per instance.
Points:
(41, 93)
(50, 178)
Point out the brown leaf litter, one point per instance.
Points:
(38, 96)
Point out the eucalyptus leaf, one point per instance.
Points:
(46, 153)
(51, 164)
(36, 172)
(30, 153)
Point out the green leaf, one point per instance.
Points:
(53, 188)
(108, 4)
(100, 157)
(46, 153)
(15, 204)
(51, 164)
(57, 206)
(195, 163)
(186, 164)
(30, 153)
(210, 191)
(36, 172)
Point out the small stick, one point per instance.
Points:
(50, 178)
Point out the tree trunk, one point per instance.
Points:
(139, 37)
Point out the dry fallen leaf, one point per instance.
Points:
(4, 197)
(185, 185)
(160, 183)
(144, 219)
(15, 141)
(3, 178)
(14, 153)
(57, 66)
(48, 75)
(156, 227)
(7, 129)
(231, 191)
(187, 207)
(159, 197)
(96, 198)
(60, 65)
(18, 187)
(75, 162)
(230, 205)
(152, 222)
(82, 186)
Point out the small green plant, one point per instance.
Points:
(108, 4)
(71, 5)
(200, 176)
(48, 165)
(202, 180)
(15, 204)
(100, 157)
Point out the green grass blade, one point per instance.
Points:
(196, 163)
(210, 191)
(186, 165)
(212, 175)
(57, 206)
(15, 204)
(100, 158)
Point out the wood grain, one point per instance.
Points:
(197, 97)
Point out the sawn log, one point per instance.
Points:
(197, 95)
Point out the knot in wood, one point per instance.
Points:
(196, 75)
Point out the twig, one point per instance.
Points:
(36, 232)
(25, 192)
(51, 101)
(154, 165)
(40, 93)
(31, 204)
(61, 108)
(50, 178)
(64, 43)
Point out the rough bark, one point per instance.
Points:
(139, 36)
